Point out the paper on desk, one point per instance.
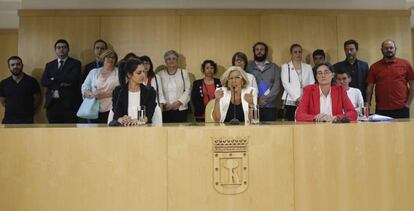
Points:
(377, 117)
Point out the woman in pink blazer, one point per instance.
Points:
(324, 101)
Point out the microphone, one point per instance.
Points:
(341, 120)
(114, 122)
(234, 121)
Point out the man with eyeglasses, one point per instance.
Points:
(98, 47)
(357, 69)
(61, 78)
(267, 76)
(392, 78)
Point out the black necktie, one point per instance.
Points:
(61, 65)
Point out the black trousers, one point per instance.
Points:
(290, 112)
(58, 113)
(268, 114)
(174, 116)
(397, 113)
(102, 118)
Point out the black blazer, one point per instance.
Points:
(70, 74)
(120, 101)
(197, 96)
(87, 69)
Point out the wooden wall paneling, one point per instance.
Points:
(151, 35)
(310, 31)
(369, 168)
(270, 169)
(217, 37)
(60, 169)
(8, 46)
(38, 35)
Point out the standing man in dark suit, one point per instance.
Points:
(357, 69)
(98, 47)
(61, 78)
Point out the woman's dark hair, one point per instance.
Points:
(211, 62)
(330, 67)
(125, 67)
(294, 46)
(151, 73)
(242, 56)
(130, 55)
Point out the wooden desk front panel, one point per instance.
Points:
(322, 167)
(83, 169)
(359, 167)
(190, 169)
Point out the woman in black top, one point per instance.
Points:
(203, 89)
(129, 95)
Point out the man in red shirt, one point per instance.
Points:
(393, 80)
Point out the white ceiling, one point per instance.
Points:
(9, 19)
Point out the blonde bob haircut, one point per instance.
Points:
(225, 77)
(108, 53)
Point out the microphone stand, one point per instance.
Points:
(234, 121)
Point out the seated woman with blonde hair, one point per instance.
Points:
(235, 97)
(324, 101)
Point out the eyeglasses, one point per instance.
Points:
(171, 58)
(323, 73)
(236, 78)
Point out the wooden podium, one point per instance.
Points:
(281, 166)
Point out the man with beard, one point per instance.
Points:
(357, 69)
(98, 47)
(61, 78)
(267, 76)
(393, 79)
(19, 94)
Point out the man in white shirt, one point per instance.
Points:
(354, 94)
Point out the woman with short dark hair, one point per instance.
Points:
(324, 101)
(203, 89)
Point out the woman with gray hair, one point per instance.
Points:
(177, 88)
(235, 97)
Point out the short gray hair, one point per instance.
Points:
(166, 54)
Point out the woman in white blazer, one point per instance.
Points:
(177, 89)
(295, 75)
(235, 97)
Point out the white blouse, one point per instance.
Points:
(134, 99)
